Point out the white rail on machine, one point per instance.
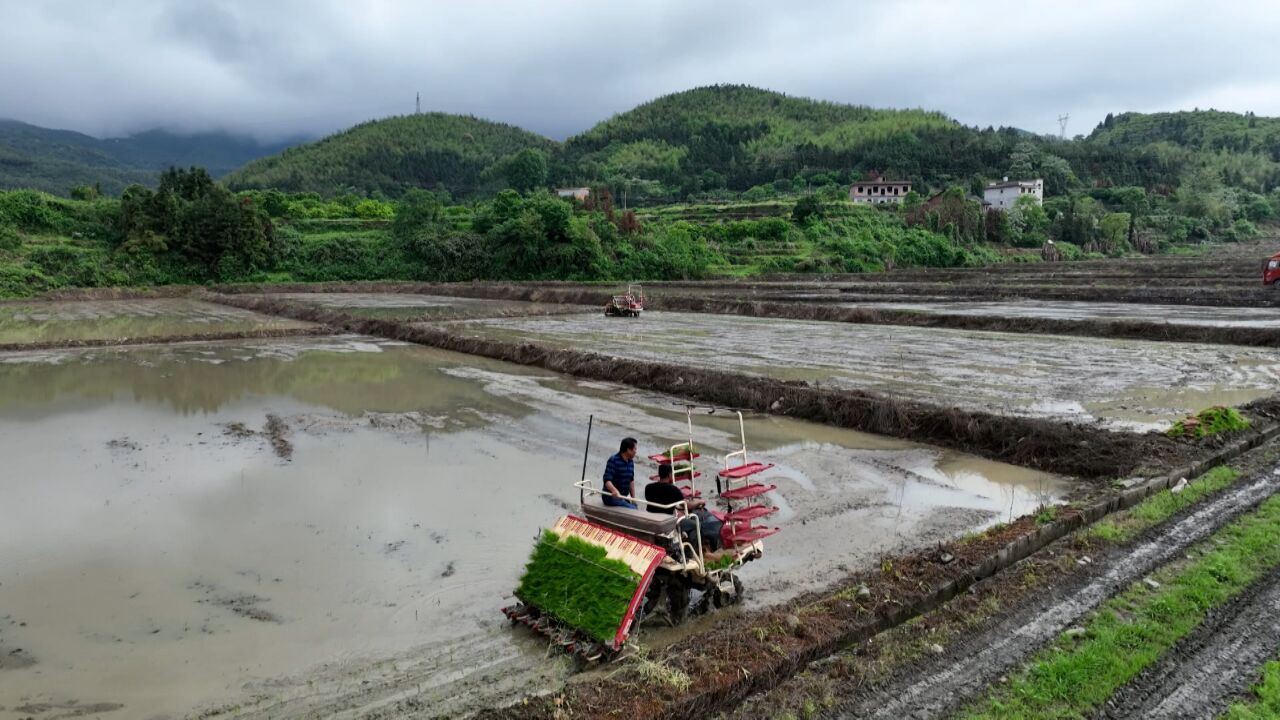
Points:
(683, 506)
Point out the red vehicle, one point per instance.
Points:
(1271, 270)
(629, 305)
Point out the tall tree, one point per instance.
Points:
(526, 171)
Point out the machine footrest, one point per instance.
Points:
(748, 514)
(662, 457)
(678, 476)
(747, 491)
(742, 471)
(748, 536)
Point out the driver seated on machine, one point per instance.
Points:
(663, 491)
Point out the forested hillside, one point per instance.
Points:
(58, 160)
(709, 144)
(463, 155)
(1212, 130)
(735, 136)
(723, 142)
(1140, 183)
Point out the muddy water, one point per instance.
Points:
(158, 564)
(406, 305)
(1076, 310)
(1123, 383)
(37, 322)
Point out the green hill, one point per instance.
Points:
(723, 140)
(217, 152)
(1212, 130)
(737, 136)
(393, 155)
(56, 160)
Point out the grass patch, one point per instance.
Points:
(653, 673)
(1210, 421)
(1047, 515)
(1130, 631)
(574, 582)
(1266, 698)
(1124, 526)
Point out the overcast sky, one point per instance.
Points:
(274, 68)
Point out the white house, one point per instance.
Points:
(879, 191)
(574, 193)
(1002, 195)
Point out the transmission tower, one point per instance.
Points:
(1062, 126)
(417, 103)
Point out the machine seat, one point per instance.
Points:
(640, 523)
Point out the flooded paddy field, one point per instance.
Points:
(1073, 310)
(1122, 383)
(42, 322)
(299, 527)
(410, 306)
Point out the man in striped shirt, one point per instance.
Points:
(619, 476)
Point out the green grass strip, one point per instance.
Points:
(1266, 694)
(574, 582)
(1130, 631)
(1125, 526)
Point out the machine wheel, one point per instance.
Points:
(657, 589)
(722, 599)
(677, 600)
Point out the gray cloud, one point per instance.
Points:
(272, 68)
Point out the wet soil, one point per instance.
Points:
(1074, 310)
(68, 323)
(813, 301)
(1124, 384)
(1211, 667)
(1069, 449)
(1166, 294)
(171, 544)
(413, 306)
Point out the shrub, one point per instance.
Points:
(22, 281)
(30, 211)
(9, 237)
(68, 265)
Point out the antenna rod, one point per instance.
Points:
(582, 491)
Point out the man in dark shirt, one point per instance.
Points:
(619, 476)
(664, 491)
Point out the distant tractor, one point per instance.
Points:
(1271, 271)
(630, 304)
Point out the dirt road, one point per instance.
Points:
(1217, 663)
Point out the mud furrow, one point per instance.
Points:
(436, 681)
(981, 661)
(1219, 661)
